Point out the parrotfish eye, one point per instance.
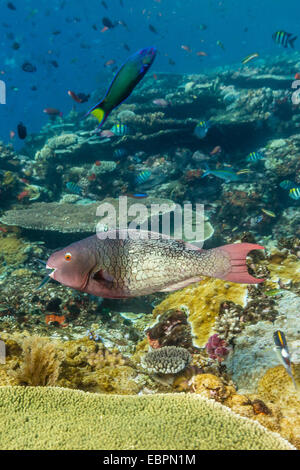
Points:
(68, 256)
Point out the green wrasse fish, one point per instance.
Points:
(126, 79)
(128, 263)
(224, 174)
(281, 348)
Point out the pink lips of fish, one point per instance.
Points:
(123, 267)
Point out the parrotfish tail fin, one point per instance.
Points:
(238, 271)
(292, 40)
(99, 113)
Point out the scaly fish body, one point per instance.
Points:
(129, 263)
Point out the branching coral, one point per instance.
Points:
(202, 303)
(103, 357)
(167, 360)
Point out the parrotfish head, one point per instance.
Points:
(73, 265)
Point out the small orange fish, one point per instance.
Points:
(201, 53)
(109, 62)
(74, 96)
(186, 48)
(104, 29)
(55, 319)
(12, 134)
(97, 163)
(155, 76)
(22, 195)
(297, 76)
(92, 177)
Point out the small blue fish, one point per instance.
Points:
(287, 184)
(255, 157)
(120, 129)
(143, 177)
(256, 220)
(282, 350)
(138, 195)
(74, 188)
(227, 175)
(202, 129)
(295, 193)
(120, 153)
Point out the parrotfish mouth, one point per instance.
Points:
(50, 272)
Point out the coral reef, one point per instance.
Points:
(166, 360)
(171, 329)
(217, 348)
(116, 423)
(202, 302)
(253, 352)
(275, 388)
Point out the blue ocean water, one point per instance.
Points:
(63, 40)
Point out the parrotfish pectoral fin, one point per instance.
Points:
(181, 285)
(238, 271)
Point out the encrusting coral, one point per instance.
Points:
(80, 420)
(276, 387)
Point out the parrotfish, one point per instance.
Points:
(126, 79)
(129, 263)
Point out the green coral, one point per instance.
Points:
(80, 420)
(12, 250)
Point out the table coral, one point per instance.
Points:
(80, 420)
(202, 302)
